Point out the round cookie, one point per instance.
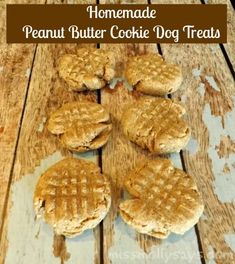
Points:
(150, 74)
(89, 69)
(156, 124)
(72, 196)
(81, 126)
(165, 199)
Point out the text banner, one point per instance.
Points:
(116, 23)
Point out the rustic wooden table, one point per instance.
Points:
(31, 89)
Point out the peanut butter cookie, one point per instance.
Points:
(150, 74)
(72, 196)
(81, 126)
(156, 124)
(89, 69)
(165, 199)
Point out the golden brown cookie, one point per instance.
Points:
(150, 74)
(72, 196)
(156, 124)
(165, 199)
(89, 69)
(81, 126)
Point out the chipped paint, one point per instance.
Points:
(226, 147)
(22, 215)
(39, 235)
(41, 125)
(204, 217)
(197, 72)
(192, 146)
(127, 85)
(175, 158)
(210, 256)
(213, 48)
(224, 183)
(115, 81)
(27, 73)
(183, 98)
(174, 249)
(226, 168)
(230, 240)
(89, 155)
(201, 89)
(81, 248)
(212, 82)
(220, 102)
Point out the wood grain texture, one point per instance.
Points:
(208, 92)
(46, 92)
(2, 23)
(15, 69)
(230, 45)
(37, 150)
(121, 242)
(119, 156)
(14, 60)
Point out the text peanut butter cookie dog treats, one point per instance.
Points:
(72, 196)
(81, 126)
(88, 69)
(165, 199)
(150, 74)
(156, 124)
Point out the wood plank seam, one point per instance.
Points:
(199, 243)
(223, 50)
(100, 165)
(233, 4)
(229, 63)
(199, 240)
(16, 145)
(202, 255)
(206, 250)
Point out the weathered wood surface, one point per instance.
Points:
(208, 93)
(230, 45)
(38, 148)
(23, 237)
(15, 69)
(14, 60)
(121, 242)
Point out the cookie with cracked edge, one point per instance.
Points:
(72, 196)
(88, 69)
(156, 124)
(150, 74)
(165, 199)
(81, 126)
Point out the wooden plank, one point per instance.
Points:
(208, 93)
(230, 45)
(15, 69)
(36, 152)
(24, 238)
(121, 243)
(2, 23)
